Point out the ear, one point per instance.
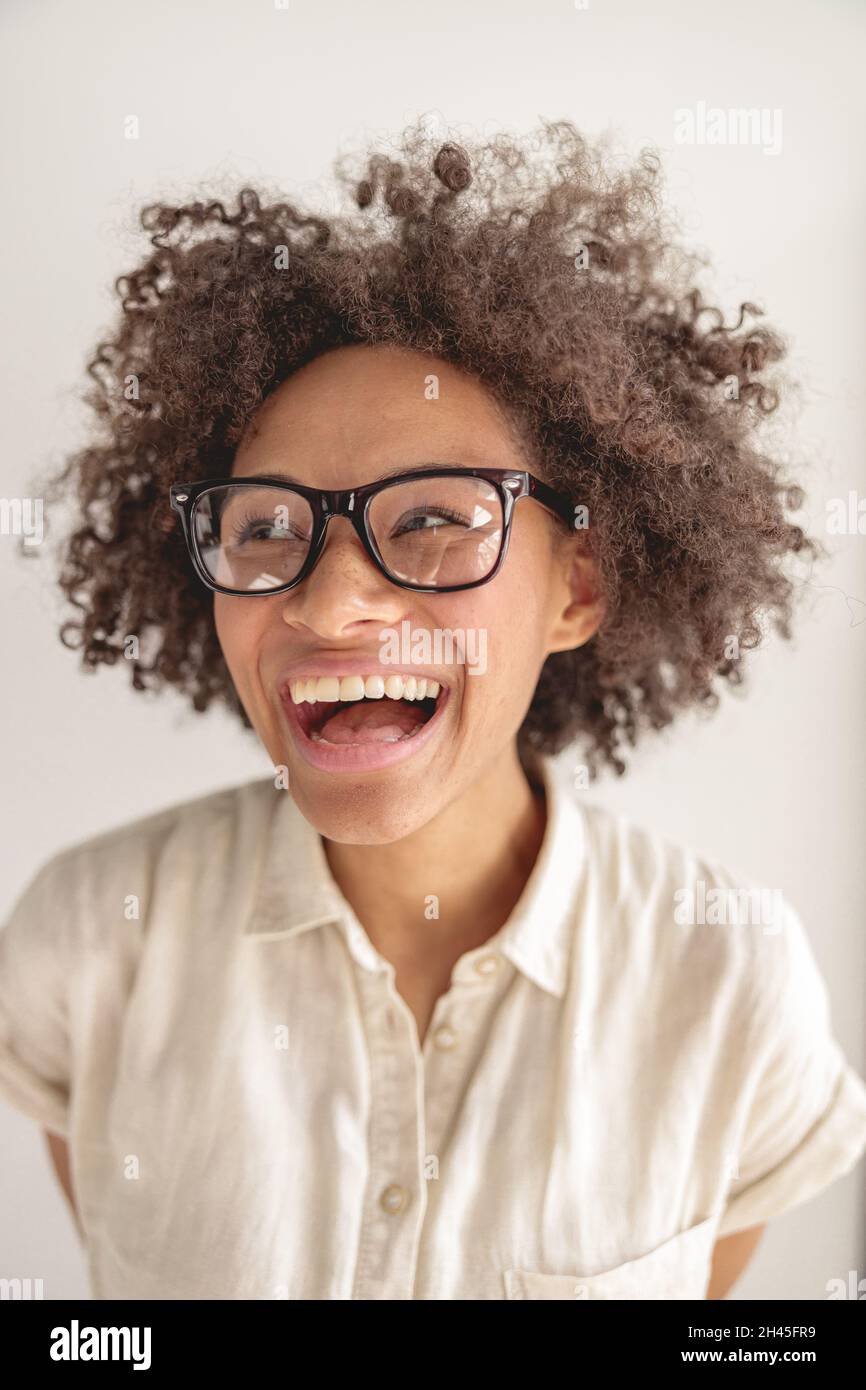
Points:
(579, 606)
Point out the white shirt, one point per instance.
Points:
(603, 1092)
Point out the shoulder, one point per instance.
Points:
(683, 917)
(635, 863)
(192, 817)
(182, 840)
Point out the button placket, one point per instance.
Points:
(459, 1025)
(395, 1200)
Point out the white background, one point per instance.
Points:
(228, 92)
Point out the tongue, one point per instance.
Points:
(373, 721)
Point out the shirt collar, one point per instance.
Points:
(296, 890)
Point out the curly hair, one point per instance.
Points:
(551, 274)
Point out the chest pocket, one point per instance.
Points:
(680, 1268)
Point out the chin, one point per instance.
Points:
(359, 812)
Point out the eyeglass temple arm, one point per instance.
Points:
(551, 498)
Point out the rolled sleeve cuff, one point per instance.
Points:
(830, 1150)
(37, 1098)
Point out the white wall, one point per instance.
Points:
(230, 90)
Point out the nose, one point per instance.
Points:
(343, 587)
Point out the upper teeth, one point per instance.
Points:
(356, 687)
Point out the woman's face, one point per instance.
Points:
(345, 419)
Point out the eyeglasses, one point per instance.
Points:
(432, 530)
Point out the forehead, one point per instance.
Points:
(377, 406)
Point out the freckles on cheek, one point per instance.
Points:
(508, 635)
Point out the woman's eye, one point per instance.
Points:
(261, 529)
(427, 520)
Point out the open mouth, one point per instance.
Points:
(363, 720)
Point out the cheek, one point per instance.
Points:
(237, 629)
(513, 606)
(515, 609)
(504, 626)
(225, 627)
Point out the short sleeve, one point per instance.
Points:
(35, 1060)
(805, 1117)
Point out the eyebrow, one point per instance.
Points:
(389, 473)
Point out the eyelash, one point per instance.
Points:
(442, 513)
(241, 530)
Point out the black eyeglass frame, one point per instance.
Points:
(511, 484)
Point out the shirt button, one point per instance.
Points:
(487, 964)
(444, 1038)
(393, 1199)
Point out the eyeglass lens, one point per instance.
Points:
(436, 532)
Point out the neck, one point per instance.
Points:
(475, 856)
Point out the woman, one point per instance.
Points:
(426, 494)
